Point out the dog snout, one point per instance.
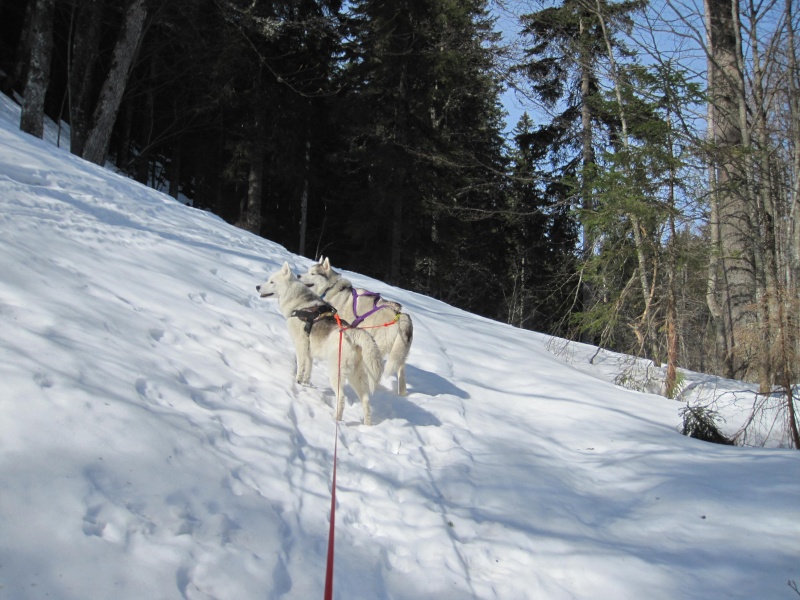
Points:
(258, 288)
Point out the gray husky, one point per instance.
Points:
(316, 332)
(393, 330)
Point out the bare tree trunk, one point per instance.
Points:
(175, 168)
(397, 230)
(719, 322)
(395, 185)
(793, 284)
(251, 215)
(81, 66)
(713, 288)
(38, 78)
(105, 113)
(587, 142)
(19, 70)
(764, 243)
(304, 197)
(587, 162)
(671, 377)
(736, 282)
(124, 126)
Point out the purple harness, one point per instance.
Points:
(375, 307)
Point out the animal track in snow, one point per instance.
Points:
(26, 176)
(43, 380)
(198, 297)
(147, 390)
(92, 525)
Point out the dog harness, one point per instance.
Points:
(311, 315)
(375, 306)
(356, 295)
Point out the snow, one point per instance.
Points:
(153, 443)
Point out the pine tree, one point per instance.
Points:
(425, 138)
(271, 64)
(540, 232)
(566, 53)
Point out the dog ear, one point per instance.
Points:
(327, 265)
(286, 270)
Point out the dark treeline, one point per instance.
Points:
(373, 134)
(650, 208)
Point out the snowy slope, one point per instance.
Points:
(153, 444)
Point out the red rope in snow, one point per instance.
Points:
(329, 568)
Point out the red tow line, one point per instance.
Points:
(329, 569)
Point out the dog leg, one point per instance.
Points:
(359, 382)
(366, 409)
(336, 385)
(303, 376)
(302, 347)
(401, 381)
(304, 361)
(339, 405)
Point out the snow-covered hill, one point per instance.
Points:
(153, 444)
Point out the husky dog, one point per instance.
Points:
(316, 333)
(392, 329)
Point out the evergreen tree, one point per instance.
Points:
(540, 232)
(425, 141)
(272, 66)
(565, 57)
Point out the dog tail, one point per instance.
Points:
(401, 345)
(371, 358)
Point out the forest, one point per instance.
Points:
(645, 201)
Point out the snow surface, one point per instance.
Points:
(153, 444)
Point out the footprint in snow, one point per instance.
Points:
(92, 525)
(43, 380)
(198, 298)
(147, 390)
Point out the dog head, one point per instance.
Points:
(318, 275)
(276, 282)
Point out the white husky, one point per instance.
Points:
(393, 330)
(316, 334)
